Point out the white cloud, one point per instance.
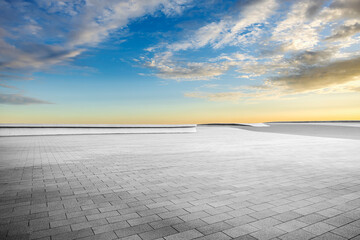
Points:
(297, 31)
(168, 68)
(229, 30)
(101, 18)
(208, 34)
(252, 14)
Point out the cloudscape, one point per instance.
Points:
(179, 61)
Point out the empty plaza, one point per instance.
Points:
(222, 182)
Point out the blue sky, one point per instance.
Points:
(173, 61)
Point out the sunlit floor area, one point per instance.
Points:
(222, 182)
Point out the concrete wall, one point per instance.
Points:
(57, 129)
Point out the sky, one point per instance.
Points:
(179, 61)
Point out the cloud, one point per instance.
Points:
(34, 56)
(8, 86)
(348, 87)
(298, 31)
(302, 28)
(192, 71)
(314, 8)
(231, 29)
(344, 32)
(221, 96)
(346, 8)
(4, 76)
(18, 99)
(261, 93)
(67, 7)
(256, 13)
(208, 34)
(320, 77)
(101, 18)
(168, 68)
(294, 42)
(337, 77)
(313, 57)
(243, 93)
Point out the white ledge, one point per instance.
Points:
(60, 129)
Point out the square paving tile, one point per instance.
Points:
(217, 183)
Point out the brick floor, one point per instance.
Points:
(218, 183)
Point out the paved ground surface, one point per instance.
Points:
(333, 130)
(218, 183)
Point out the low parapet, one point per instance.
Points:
(236, 124)
(61, 129)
